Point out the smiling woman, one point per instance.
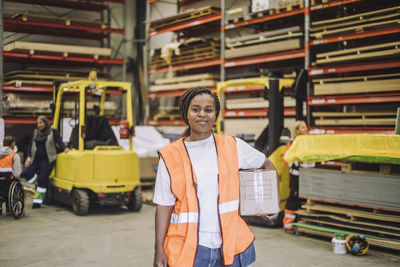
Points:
(197, 191)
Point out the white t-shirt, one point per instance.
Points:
(203, 157)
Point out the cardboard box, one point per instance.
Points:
(261, 5)
(259, 192)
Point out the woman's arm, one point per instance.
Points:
(163, 218)
(268, 165)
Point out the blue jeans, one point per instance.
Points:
(209, 257)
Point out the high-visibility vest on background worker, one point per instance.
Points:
(6, 164)
(182, 237)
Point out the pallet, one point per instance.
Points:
(166, 116)
(183, 17)
(360, 53)
(263, 48)
(382, 168)
(358, 118)
(316, 2)
(182, 60)
(65, 50)
(27, 16)
(264, 37)
(309, 229)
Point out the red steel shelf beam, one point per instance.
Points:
(189, 24)
(353, 99)
(22, 121)
(254, 112)
(28, 88)
(195, 65)
(355, 36)
(354, 67)
(151, 1)
(80, 5)
(332, 4)
(245, 89)
(351, 130)
(102, 61)
(33, 23)
(287, 55)
(264, 19)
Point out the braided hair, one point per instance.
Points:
(186, 98)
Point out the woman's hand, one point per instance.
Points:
(160, 258)
(66, 150)
(268, 165)
(28, 162)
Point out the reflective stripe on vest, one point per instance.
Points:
(182, 237)
(6, 164)
(288, 219)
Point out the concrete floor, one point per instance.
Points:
(54, 236)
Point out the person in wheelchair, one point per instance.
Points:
(10, 162)
(42, 152)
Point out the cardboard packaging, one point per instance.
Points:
(261, 5)
(259, 192)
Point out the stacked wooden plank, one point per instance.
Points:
(192, 50)
(362, 22)
(385, 50)
(255, 102)
(357, 84)
(264, 43)
(45, 76)
(65, 50)
(184, 82)
(354, 118)
(361, 198)
(183, 17)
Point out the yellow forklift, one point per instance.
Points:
(96, 171)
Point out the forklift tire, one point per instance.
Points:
(136, 200)
(80, 202)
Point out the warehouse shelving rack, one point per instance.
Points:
(349, 69)
(36, 26)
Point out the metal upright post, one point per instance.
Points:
(1, 57)
(397, 129)
(145, 58)
(222, 60)
(307, 49)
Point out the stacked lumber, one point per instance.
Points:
(28, 16)
(184, 82)
(361, 198)
(45, 76)
(264, 43)
(354, 118)
(192, 50)
(187, 16)
(255, 102)
(47, 48)
(357, 84)
(361, 22)
(385, 50)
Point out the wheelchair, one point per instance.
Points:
(12, 193)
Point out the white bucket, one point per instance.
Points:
(339, 246)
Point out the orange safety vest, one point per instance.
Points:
(181, 240)
(6, 164)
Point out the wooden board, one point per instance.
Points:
(357, 87)
(255, 102)
(56, 48)
(27, 16)
(353, 114)
(183, 17)
(350, 122)
(264, 36)
(355, 78)
(263, 48)
(359, 16)
(366, 52)
(187, 78)
(356, 28)
(177, 86)
(347, 220)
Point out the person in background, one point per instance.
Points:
(293, 203)
(10, 162)
(41, 157)
(197, 221)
